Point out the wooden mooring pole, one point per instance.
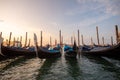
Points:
(41, 39)
(97, 35)
(9, 38)
(117, 34)
(20, 41)
(91, 41)
(17, 41)
(78, 38)
(60, 36)
(111, 40)
(14, 42)
(82, 39)
(55, 42)
(103, 41)
(25, 40)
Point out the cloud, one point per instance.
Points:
(109, 6)
(89, 21)
(94, 11)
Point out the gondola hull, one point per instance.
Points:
(71, 54)
(110, 52)
(14, 52)
(11, 52)
(42, 53)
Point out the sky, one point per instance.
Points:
(50, 16)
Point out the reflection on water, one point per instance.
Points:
(25, 69)
(83, 68)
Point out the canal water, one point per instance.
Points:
(83, 68)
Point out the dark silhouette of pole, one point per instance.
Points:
(41, 39)
(91, 41)
(20, 41)
(9, 38)
(117, 34)
(25, 40)
(55, 42)
(17, 41)
(97, 35)
(82, 40)
(14, 42)
(60, 36)
(78, 38)
(111, 40)
(62, 40)
(103, 41)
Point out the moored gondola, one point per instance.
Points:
(71, 52)
(13, 51)
(113, 51)
(45, 53)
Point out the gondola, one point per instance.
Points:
(71, 52)
(40, 52)
(113, 51)
(45, 53)
(14, 51)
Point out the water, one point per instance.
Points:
(83, 68)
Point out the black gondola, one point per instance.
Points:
(113, 51)
(42, 53)
(12, 51)
(45, 53)
(72, 52)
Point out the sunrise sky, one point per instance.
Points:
(50, 16)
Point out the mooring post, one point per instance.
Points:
(97, 35)
(78, 38)
(60, 36)
(91, 41)
(55, 42)
(9, 38)
(17, 41)
(117, 34)
(20, 41)
(25, 40)
(41, 39)
(61, 40)
(14, 42)
(82, 39)
(111, 40)
(103, 41)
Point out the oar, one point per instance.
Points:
(36, 46)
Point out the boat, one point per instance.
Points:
(113, 51)
(71, 52)
(40, 52)
(45, 53)
(14, 51)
